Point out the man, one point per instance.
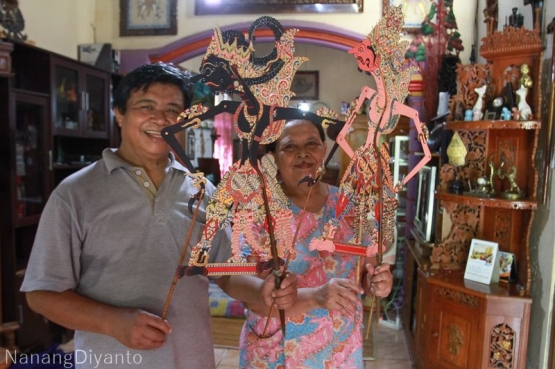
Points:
(111, 234)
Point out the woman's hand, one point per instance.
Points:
(339, 294)
(379, 280)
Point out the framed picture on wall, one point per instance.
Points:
(203, 7)
(305, 85)
(415, 11)
(148, 18)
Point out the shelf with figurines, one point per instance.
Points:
(488, 188)
(493, 124)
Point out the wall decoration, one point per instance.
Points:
(305, 85)
(203, 7)
(148, 17)
(415, 11)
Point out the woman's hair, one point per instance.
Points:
(271, 147)
(145, 75)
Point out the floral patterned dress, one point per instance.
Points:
(319, 338)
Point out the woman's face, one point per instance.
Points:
(299, 151)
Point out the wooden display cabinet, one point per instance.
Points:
(463, 324)
(472, 325)
(25, 185)
(29, 148)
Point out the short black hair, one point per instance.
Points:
(147, 74)
(271, 147)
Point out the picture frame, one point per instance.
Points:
(305, 85)
(148, 18)
(507, 267)
(490, 115)
(211, 7)
(483, 262)
(415, 11)
(424, 216)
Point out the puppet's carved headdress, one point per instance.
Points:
(269, 77)
(385, 39)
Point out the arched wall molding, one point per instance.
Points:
(194, 45)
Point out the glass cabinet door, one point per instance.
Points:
(67, 99)
(81, 100)
(96, 104)
(30, 150)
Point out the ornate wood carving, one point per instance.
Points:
(453, 249)
(511, 48)
(511, 40)
(502, 226)
(502, 349)
(455, 339)
(458, 296)
(469, 77)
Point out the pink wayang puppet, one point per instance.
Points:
(367, 191)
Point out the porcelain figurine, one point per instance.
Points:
(523, 107)
(505, 113)
(468, 115)
(477, 113)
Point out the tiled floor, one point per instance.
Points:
(391, 346)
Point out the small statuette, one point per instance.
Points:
(515, 113)
(477, 112)
(468, 115)
(523, 107)
(505, 114)
(514, 192)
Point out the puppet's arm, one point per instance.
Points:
(365, 93)
(192, 118)
(422, 131)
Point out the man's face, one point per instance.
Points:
(148, 112)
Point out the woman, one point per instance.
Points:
(324, 325)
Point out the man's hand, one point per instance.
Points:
(138, 329)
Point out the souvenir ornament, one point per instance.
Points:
(477, 110)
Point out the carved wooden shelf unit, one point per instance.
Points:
(507, 222)
(450, 322)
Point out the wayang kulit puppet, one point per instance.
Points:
(249, 197)
(367, 191)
